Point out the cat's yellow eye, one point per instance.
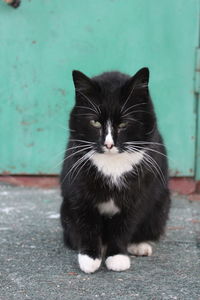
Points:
(122, 125)
(95, 124)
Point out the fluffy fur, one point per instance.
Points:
(114, 176)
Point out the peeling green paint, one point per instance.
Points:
(42, 41)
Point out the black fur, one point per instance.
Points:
(143, 199)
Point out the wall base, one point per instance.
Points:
(182, 185)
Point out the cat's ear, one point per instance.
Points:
(141, 78)
(138, 81)
(81, 81)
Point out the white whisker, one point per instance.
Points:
(91, 115)
(146, 163)
(135, 120)
(123, 106)
(96, 108)
(143, 142)
(85, 107)
(77, 163)
(87, 159)
(74, 153)
(149, 149)
(64, 151)
(152, 162)
(73, 166)
(134, 87)
(82, 141)
(143, 103)
(75, 147)
(136, 111)
(152, 130)
(156, 166)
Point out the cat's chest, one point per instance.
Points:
(116, 165)
(108, 208)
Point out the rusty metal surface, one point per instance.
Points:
(180, 185)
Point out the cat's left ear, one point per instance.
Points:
(137, 83)
(141, 78)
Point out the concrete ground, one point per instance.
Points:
(35, 265)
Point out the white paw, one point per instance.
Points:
(88, 264)
(119, 262)
(141, 249)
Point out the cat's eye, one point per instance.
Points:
(122, 125)
(95, 124)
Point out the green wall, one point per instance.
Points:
(43, 41)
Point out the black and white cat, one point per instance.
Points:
(114, 176)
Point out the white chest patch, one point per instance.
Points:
(114, 165)
(108, 208)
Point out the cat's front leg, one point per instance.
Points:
(117, 258)
(88, 264)
(118, 262)
(90, 252)
(89, 257)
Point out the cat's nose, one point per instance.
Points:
(109, 145)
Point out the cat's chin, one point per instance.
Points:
(114, 150)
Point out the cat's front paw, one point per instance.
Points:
(119, 262)
(141, 249)
(88, 264)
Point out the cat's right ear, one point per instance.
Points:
(81, 81)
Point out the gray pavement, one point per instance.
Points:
(34, 264)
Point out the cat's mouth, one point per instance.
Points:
(113, 150)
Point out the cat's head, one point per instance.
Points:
(112, 111)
